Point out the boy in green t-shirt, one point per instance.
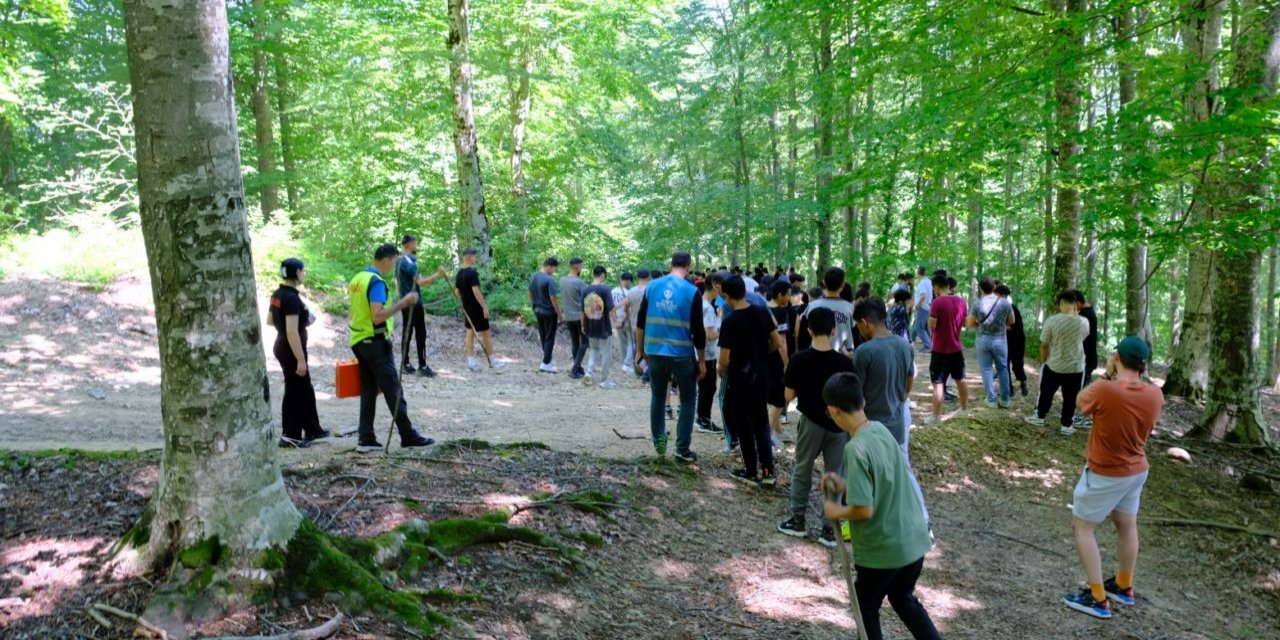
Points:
(890, 538)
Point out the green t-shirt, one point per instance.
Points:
(877, 475)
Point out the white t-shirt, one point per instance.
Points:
(711, 321)
(619, 311)
(924, 294)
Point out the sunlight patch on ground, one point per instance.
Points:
(39, 573)
(144, 480)
(964, 484)
(944, 604)
(673, 569)
(796, 584)
(1047, 478)
(654, 483)
(503, 403)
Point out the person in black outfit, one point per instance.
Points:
(1017, 337)
(289, 315)
(747, 338)
(1091, 340)
(414, 318)
(784, 316)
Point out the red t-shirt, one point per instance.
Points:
(950, 311)
(1124, 413)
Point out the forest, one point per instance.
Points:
(1119, 147)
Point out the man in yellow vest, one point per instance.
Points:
(371, 329)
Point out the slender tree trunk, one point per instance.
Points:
(1068, 90)
(470, 179)
(1240, 189)
(775, 160)
(1048, 222)
(1273, 343)
(793, 153)
(520, 100)
(8, 170)
(284, 101)
(825, 106)
(1189, 369)
(269, 194)
(219, 479)
(975, 235)
(1136, 310)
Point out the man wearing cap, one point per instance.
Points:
(408, 279)
(475, 311)
(371, 328)
(622, 322)
(546, 308)
(1124, 409)
(571, 288)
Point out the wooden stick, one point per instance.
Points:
(143, 622)
(1005, 536)
(1185, 522)
(317, 633)
(616, 433)
(334, 516)
(98, 617)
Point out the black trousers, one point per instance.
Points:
(414, 320)
(547, 335)
(298, 415)
(1050, 382)
(378, 373)
(707, 392)
(745, 411)
(577, 342)
(1090, 363)
(899, 585)
(1018, 359)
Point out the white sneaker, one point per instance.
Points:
(991, 404)
(628, 369)
(496, 364)
(1067, 431)
(548, 367)
(932, 419)
(472, 364)
(608, 384)
(1034, 419)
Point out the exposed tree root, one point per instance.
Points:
(1182, 522)
(316, 633)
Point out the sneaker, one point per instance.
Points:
(607, 384)
(426, 372)
(828, 537)
(671, 415)
(1067, 431)
(742, 476)
(1123, 596)
(320, 434)
(768, 478)
(576, 375)
(293, 443)
(1084, 603)
(705, 426)
(1082, 422)
(548, 367)
(991, 404)
(1034, 419)
(417, 441)
(962, 413)
(1004, 405)
(473, 364)
(628, 369)
(729, 448)
(932, 419)
(794, 527)
(408, 368)
(660, 445)
(687, 457)
(495, 363)
(369, 447)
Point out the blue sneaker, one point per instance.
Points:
(1123, 596)
(660, 445)
(1084, 603)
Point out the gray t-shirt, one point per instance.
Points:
(883, 365)
(844, 320)
(992, 314)
(1065, 334)
(407, 276)
(542, 287)
(634, 299)
(571, 288)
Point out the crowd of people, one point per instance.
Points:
(755, 343)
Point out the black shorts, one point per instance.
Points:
(944, 365)
(477, 318)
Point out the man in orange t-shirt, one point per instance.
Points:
(1124, 409)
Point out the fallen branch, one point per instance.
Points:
(334, 516)
(316, 633)
(141, 621)
(1005, 536)
(616, 433)
(458, 501)
(1185, 522)
(448, 461)
(98, 617)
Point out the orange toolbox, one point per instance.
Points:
(347, 379)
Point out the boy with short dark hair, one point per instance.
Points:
(784, 316)
(747, 337)
(890, 537)
(1062, 355)
(816, 434)
(597, 327)
(900, 314)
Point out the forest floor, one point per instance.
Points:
(686, 553)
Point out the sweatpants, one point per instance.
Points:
(1018, 357)
(707, 392)
(1050, 382)
(414, 320)
(577, 342)
(813, 441)
(899, 585)
(627, 345)
(378, 373)
(745, 410)
(601, 356)
(298, 415)
(547, 335)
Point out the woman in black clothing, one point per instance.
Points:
(1017, 337)
(290, 317)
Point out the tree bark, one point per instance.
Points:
(521, 98)
(8, 169)
(1136, 303)
(283, 103)
(825, 106)
(1273, 343)
(269, 194)
(470, 180)
(1068, 89)
(219, 480)
(1234, 409)
(1189, 367)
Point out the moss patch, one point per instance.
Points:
(206, 553)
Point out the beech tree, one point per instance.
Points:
(470, 180)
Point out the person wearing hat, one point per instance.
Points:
(289, 315)
(372, 325)
(475, 310)
(622, 323)
(1124, 408)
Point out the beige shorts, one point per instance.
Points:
(1097, 496)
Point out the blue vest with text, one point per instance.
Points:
(666, 325)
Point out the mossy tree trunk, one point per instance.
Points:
(521, 96)
(470, 179)
(1068, 93)
(220, 485)
(1240, 192)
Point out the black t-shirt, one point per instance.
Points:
(787, 320)
(286, 302)
(597, 306)
(747, 333)
(807, 375)
(464, 281)
(802, 338)
(1091, 340)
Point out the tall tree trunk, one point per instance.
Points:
(1068, 90)
(8, 170)
(1273, 342)
(1048, 294)
(823, 93)
(1136, 310)
(520, 100)
(269, 193)
(775, 160)
(219, 479)
(1240, 190)
(284, 102)
(475, 218)
(793, 152)
(1189, 368)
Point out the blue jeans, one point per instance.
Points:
(993, 352)
(921, 329)
(663, 370)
